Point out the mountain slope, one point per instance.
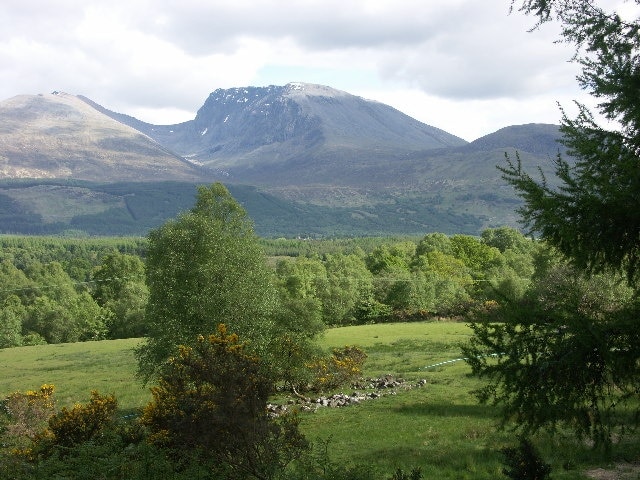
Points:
(296, 134)
(60, 136)
(307, 160)
(536, 138)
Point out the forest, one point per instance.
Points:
(58, 290)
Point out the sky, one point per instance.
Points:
(466, 66)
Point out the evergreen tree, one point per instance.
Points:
(568, 350)
(594, 216)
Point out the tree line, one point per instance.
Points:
(55, 290)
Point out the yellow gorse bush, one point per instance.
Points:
(341, 368)
(28, 412)
(211, 401)
(71, 427)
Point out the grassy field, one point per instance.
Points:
(438, 427)
(75, 369)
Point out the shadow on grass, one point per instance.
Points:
(444, 461)
(448, 410)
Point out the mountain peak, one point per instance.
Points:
(312, 89)
(310, 131)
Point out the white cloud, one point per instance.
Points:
(461, 65)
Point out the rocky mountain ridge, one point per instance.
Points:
(313, 161)
(293, 134)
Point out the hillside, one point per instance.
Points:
(305, 160)
(58, 135)
(297, 134)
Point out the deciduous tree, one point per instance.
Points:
(349, 284)
(120, 289)
(204, 268)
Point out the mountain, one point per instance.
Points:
(296, 134)
(535, 138)
(59, 135)
(304, 160)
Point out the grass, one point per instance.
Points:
(75, 369)
(438, 427)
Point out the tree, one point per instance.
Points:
(564, 355)
(568, 351)
(386, 257)
(57, 311)
(404, 290)
(594, 216)
(11, 314)
(204, 268)
(476, 255)
(299, 318)
(120, 289)
(303, 277)
(14, 282)
(507, 238)
(434, 242)
(450, 281)
(510, 279)
(349, 284)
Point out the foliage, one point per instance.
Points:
(321, 282)
(506, 238)
(203, 268)
(414, 474)
(342, 368)
(48, 303)
(593, 216)
(120, 289)
(566, 354)
(318, 247)
(142, 206)
(476, 255)
(75, 426)
(567, 350)
(431, 242)
(524, 463)
(451, 281)
(449, 436)
(349, 283)
(211, 399)
(385, 257)
(11, 314)
(26, 414)
(303, 277)
(299, 323)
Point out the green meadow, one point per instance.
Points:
(438, 427)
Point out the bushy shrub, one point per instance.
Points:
(343, 367)
(72, 427)
(26, 413)
(210, 408)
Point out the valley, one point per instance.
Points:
(305, 161)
